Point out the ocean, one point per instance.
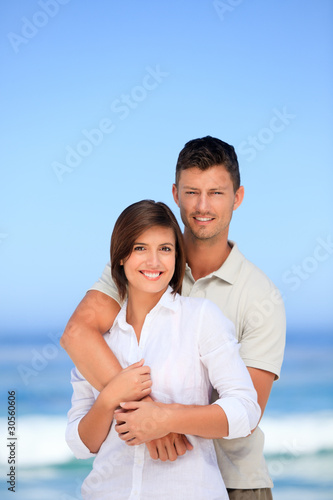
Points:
(35, 387)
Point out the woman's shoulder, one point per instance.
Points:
(201, 305)
(207, 319)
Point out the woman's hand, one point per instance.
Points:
(132, 383)
(141, 421)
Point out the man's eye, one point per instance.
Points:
(190, 192)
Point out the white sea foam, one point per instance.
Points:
(40, 441)
(41, 438)
(298, 434)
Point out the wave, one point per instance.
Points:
(298, 434)
(41, 438)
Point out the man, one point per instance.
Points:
(207, 191)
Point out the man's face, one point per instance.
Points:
(206, 199)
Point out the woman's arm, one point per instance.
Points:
(235, 414)
(150, 420)
(83, 340)
(94, 426)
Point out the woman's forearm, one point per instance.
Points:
(95, 426)
(133, 381)
(207, 421)
(150, 420)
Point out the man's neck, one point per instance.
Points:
(205, 256)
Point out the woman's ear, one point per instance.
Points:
(121, 262)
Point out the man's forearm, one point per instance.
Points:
(93, 357)
(83, 338)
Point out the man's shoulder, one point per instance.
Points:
(249, 274)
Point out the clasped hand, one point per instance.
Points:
(146, 422)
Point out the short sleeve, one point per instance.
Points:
(106, 285)
(264, 332)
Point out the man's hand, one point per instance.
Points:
(169, 447)
(132, 383)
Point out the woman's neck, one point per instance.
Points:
(139, 304)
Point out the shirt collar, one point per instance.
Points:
(230, 268)
(168, 300)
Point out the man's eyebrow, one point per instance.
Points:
(216, 188)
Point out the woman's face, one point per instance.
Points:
(151, 265)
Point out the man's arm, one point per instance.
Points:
(83, 341)
(83, 338)
(263, 382)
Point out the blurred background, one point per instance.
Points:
(97, 100)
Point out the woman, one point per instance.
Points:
(189, 348)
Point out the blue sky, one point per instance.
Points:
(97, 100)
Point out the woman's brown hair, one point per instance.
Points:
(132, 222)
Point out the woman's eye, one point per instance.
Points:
(138, 249)
(166, 249)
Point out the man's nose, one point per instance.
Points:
(202, 203)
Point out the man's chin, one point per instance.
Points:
(202, 234)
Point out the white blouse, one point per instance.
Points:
(190, 347)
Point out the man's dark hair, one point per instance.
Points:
(208, 152)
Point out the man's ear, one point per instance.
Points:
(175, 193)
(239, 197)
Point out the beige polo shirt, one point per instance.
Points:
(253, 303)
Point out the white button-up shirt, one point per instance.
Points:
(190, 347)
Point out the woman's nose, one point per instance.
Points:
(153, 259)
